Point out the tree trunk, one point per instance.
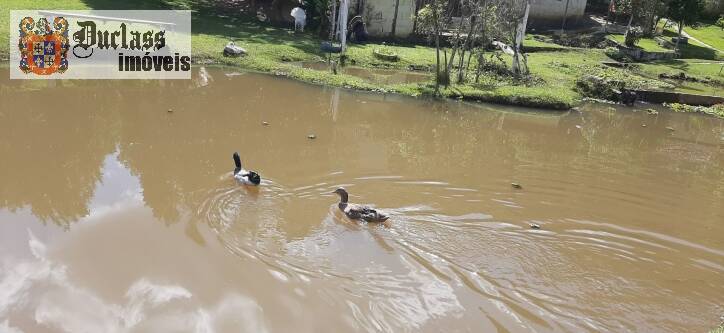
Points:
(608, 15)
(394, 19)
(470, 58)
(565, 16)
(414, 17)
(447, 71)
(469, 40)
(649, 23)
(437, 55)
(333, 30)
(481, 54)
(455, 47)
(630, 20)
(656, 24)
(515, 66)
(481, 63)
(678, 40)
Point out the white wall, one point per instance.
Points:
(378, 15)
(552, 10)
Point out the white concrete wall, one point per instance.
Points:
(378, 16)
(552, 10)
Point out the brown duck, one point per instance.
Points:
(358, 212)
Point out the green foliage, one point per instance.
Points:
(632, 36)
(428, 17)
(597, 87)
(317, 9)
(615, 54)
(715, 110)
(541, 97)
(686, 11)
(605, 82)
(384, 49)
(623, 6)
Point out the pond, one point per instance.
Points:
(118, 212)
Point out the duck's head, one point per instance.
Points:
(343, 195)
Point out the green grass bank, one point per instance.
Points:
(278, 51)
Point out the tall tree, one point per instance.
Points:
(510, 15)
(684, 12)
(488, 27)
(394, 18)
(430, 21)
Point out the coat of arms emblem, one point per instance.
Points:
(43, 50)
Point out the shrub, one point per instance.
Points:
(586, 40)
(598, 87)
(715, 110)
(615, 54)
(632, 36)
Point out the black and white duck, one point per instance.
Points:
(358, 212)
(243, 176)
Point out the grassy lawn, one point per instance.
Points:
(692, 67)
(709, 34)
(7, 5)
(274, 50)
(647, 44)
(694, 49)
(540, 41)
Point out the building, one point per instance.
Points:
(379, 15)
(551, 12)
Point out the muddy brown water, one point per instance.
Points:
(119, 216)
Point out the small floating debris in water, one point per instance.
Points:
(311, 136)
(578, 126)
(516, 185)
(265, 123)
(169, 110)
(652, 111)
(643, 125)
(670, 129)
(534, 226)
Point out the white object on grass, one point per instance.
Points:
(300, 18)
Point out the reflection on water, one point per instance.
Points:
(118, 215)
(61, 304)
